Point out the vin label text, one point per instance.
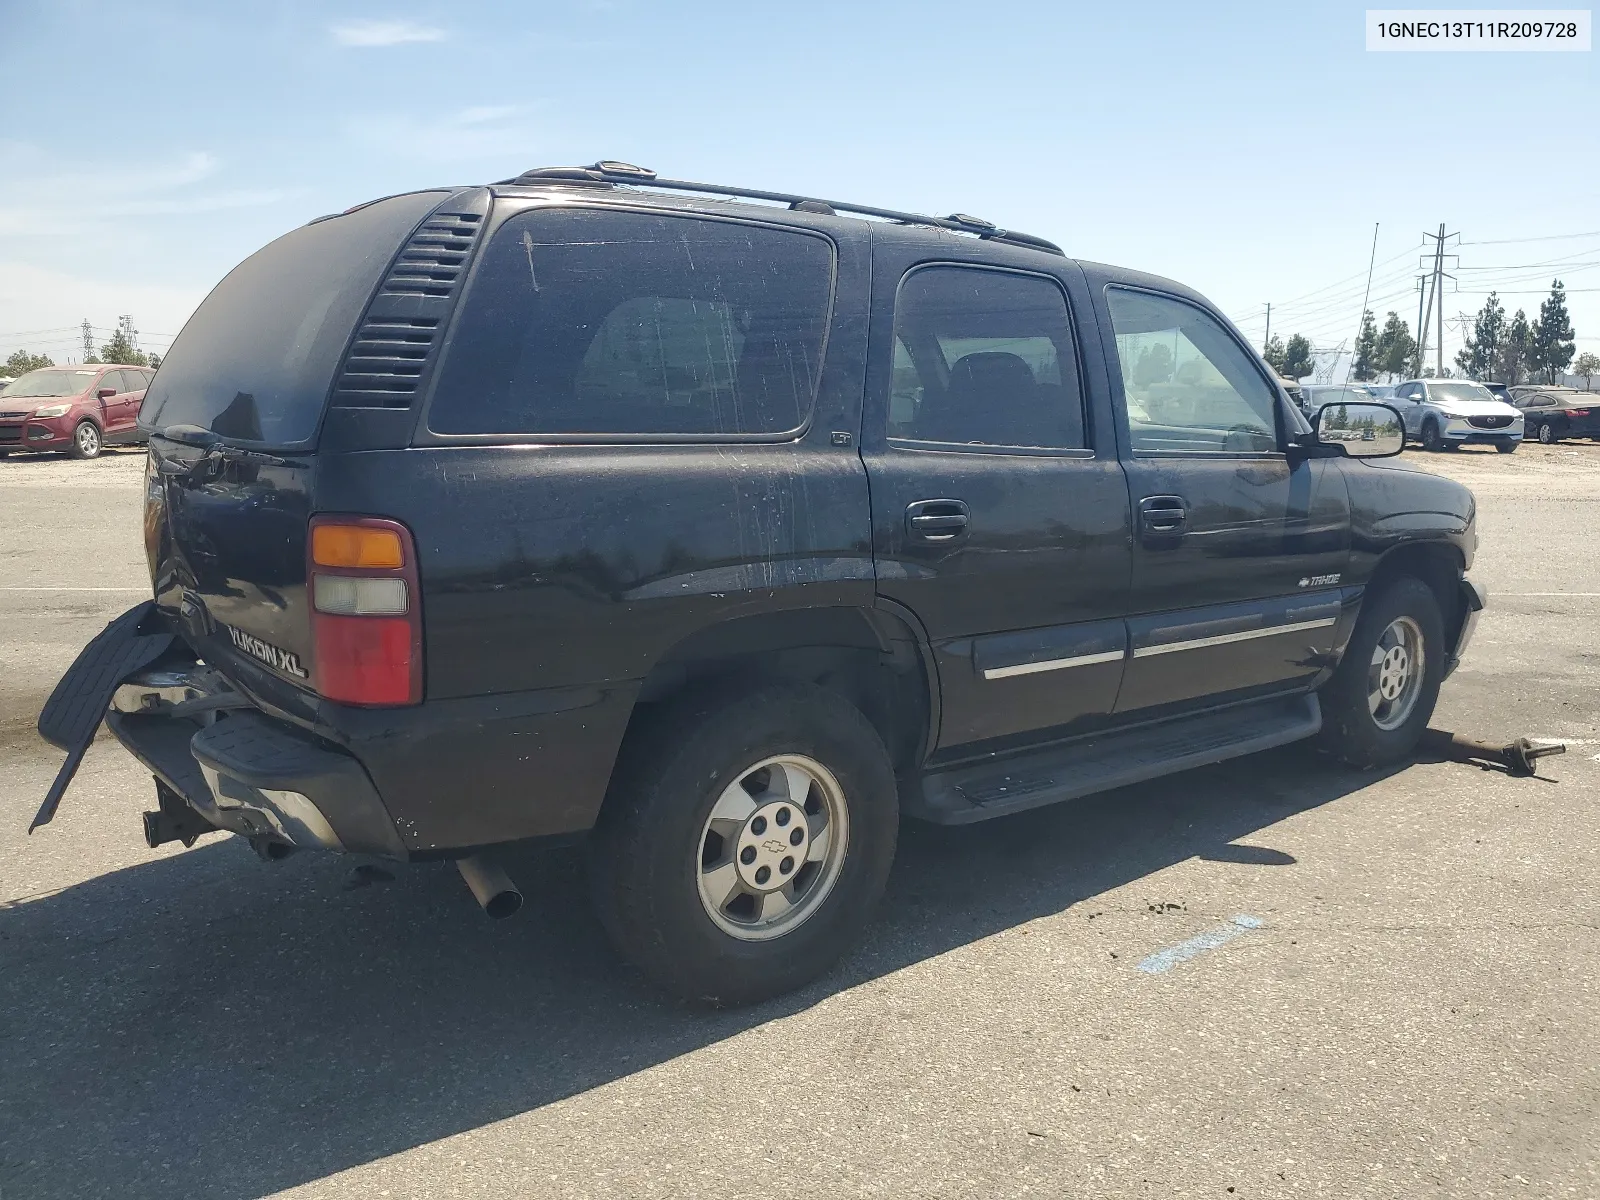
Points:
(1469, 29)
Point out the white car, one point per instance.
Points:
(1445, 413)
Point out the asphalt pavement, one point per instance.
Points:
(1271, 977)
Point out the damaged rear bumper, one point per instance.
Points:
(246, 772)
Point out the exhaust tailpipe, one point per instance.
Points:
(490, 886)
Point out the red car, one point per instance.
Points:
(76, 409)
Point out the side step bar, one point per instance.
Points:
(1097, 763)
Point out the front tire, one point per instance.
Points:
(86, 441)
(1382, 694)
(1432, 439)
(744, 842)
(1509, 447)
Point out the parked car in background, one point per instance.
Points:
(1315, 396)
(5, 382)
(76, 409)
(1499, 391)
(1446, 413)
(1552, 413)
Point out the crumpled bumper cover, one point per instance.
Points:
(238, 768)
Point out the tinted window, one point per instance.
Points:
(584, 321)
(257, 360)
(124, 381)
(984, 358)
(1189, 385)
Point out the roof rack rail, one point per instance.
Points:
(609, 172)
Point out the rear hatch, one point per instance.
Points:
(235, 417)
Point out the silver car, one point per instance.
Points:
(1445, 413)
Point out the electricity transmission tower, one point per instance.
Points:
(1434, 298)
(88, 340)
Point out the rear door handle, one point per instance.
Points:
(937, 520)
(1163, 515)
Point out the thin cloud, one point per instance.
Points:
(479, 133)
(384, 33)
(44, 197)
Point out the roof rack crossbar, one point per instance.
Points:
(623, 173)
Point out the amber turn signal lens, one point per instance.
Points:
(355, 546)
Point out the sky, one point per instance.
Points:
(1247, 150)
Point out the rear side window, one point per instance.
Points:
(1188, 385)
(984, 358)
(593, 322)
(257, 360)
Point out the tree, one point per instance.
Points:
(1395, 346)
(1480, 354)
(1365, 366)
(1512, 363)
(1274, 354)
(1297, 358)
(21, 362)
(1552, 346)
(1588, 365)
(120, 350)
(1154, 365)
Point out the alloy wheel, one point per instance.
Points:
(88, 440)
(772, 848)
(1394, 676)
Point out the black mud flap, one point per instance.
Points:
(75, 709)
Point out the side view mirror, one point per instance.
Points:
(106, 393)
(1360, 428)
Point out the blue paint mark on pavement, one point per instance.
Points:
(1165, 960)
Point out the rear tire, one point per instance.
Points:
(703, 796)
(86, 442)
(1380, 698)
(1546, 434)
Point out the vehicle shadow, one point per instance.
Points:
(204, 1025)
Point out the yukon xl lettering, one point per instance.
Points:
(724, 528)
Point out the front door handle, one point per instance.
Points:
(1163, 516)
(937, 520)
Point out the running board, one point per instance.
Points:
(1065, 771)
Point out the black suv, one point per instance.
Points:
(724, 527)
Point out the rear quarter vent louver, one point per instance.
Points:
(398, 338)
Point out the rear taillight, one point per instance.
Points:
(366, 611)
(1579, 412)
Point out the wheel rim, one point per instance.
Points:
(1394, 677)
(1430, 436)
(773, 847)
(88, 439)
(1546, 434)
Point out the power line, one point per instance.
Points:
(1553, 237)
